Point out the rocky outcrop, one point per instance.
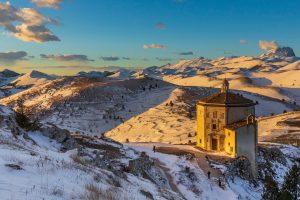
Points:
(60, 135)
(146, 167)
(285, 51)
(240, 167)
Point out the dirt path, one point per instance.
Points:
(199, 156)
(170, 178)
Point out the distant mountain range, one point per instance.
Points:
(272, 73)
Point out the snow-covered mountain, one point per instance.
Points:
(123, 74)
(6, 73)
(280, 52)
(7, 76)
(32, 78)
(273, 74)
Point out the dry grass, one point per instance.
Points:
(93, 192)
(147, 194)
(76, 158)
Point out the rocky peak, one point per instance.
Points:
(8, 73)
(285, 51)
(280, 52)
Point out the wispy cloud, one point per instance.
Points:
(154, 46)
(13, 56)
(164, 59)
(78, 67)
(26, 24)
(268, 45)
(244, 41)
(110, 58)
(187, 53)
(67, 58)
(47, 3)
(160, 25)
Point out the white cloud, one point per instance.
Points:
(47, 3)
(268, 45)
(154, 46)
(26, 24)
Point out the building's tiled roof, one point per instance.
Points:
(236, 125)
(226, 98)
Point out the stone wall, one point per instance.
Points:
(246, 144)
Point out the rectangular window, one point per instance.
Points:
(222, 116)
(200, 141)
(215, 114)
(228, 143)
(207, 114)
(214, 126)
(228, 133)
(208, 126)
(231, 149)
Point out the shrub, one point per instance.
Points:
(147, 194)
(93, 192)
(271, 190)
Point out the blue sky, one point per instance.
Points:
(112, 29)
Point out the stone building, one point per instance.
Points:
(226, 123)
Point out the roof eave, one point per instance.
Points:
(226, 104)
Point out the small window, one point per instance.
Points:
(207, 114)
(207, 126)
(214, 126)
(200, 141)
(222, 116)
(215, 114)
(231, 149)
(228, 133)
(228, 143)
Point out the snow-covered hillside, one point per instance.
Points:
(34, 166)
(51, 163)
(284, 128)
(89, 105)
(173, 120)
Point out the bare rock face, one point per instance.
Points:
(240, 167)
(280, 52)
(61, 136)
(272, 154)
(138, 166)
(285, 51)
(145, 167)
(268, 158)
